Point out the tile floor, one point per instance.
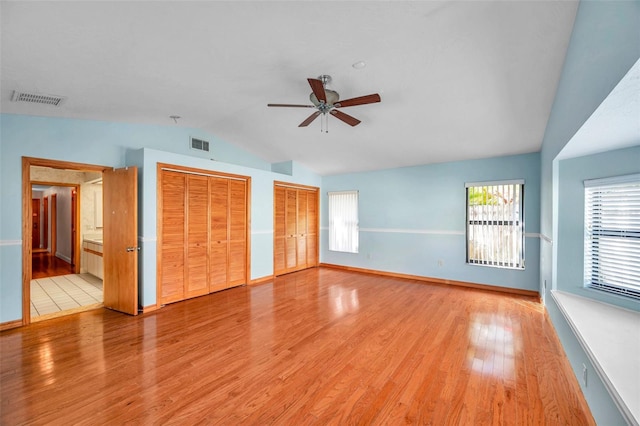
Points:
(55, 294)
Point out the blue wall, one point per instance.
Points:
(412, 220)
(118, 145)
(604, 44)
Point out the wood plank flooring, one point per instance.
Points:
(321, 346)
(44, 264)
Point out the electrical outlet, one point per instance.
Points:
(584, 375)
(440, 263)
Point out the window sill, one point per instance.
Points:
(610, 337)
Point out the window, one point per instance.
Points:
(495, 224)
(612, 235)
(343, 221)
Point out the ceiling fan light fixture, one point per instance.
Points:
(332, 97)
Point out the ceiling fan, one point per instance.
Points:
(326, 101)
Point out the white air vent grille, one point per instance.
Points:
(199, 145)
(37, 98)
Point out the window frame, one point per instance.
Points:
(520, 223)
(354, 239)
(595, 270)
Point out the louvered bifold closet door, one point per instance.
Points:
(204, 229)
(196, 279)
(279, 233)
(237, 232)
(295, 242)
(302, 230)
(312, 228)
(291, 220)
(172, 249)
(219, 207)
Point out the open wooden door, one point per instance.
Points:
(120, 247)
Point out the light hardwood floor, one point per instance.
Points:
(320, 346)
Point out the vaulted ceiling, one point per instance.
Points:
(458, 79)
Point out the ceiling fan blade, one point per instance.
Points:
(351, 121)
(309, 119)
(318, 89)
(291, 105)
(368, 99)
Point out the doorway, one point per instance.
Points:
(60, 283)
(115, 287)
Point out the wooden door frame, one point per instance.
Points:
(315, 189)
(75, 240)
(75, 225)
(36, 201)
(54, 223)
(27, 212)
(45, 224)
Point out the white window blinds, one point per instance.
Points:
(495, 224)
(343, 221)
(612, 235)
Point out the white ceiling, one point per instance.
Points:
(458, 79)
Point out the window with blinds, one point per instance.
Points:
(343, 221)
(612, 235)
(495, 224)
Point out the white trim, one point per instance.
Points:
(590, 183)
(63, 257)
(495, 182)
(533, 235)
(10, 242)
(147, 239)
(609, 336)
(432, 232)
(412, 231)
(546, 238)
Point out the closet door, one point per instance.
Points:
(295, 242)
(279, 232)
(197, 193)
(312, 229)
(301, 236)
(291, 230)
(237, 246)
(203, 233)
(172, 248)
(218, 260)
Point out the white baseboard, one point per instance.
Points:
(63, 257)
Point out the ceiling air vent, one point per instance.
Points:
(199, 145)
(37, 98)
